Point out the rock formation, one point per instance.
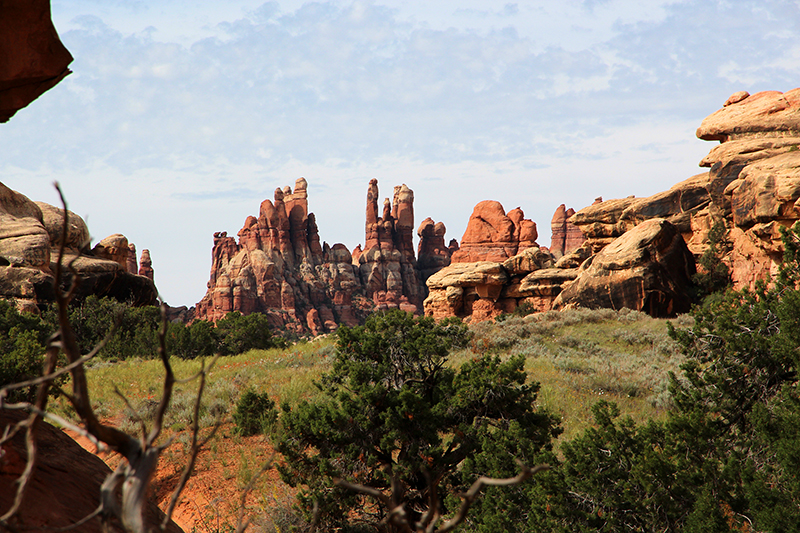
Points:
(493, 235)
(146, 265)
(279, 268)
(565, 236)
(132, 263)
(752, 187)
(33, 58)
(497, 267)
(432, 254)
(386, 264)
(30, 234)
(649, 269)
(65, 485)
(632, 256)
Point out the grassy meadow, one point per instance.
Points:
(577, 356)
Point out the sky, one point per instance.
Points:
(180, 117)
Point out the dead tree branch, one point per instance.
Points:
(398, 518)
(133, 476)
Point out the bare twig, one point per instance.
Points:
(241, 522)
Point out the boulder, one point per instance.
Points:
(648, 269)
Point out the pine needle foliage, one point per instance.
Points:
(393, 416)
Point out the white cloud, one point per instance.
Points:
(181, 117)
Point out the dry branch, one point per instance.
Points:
(132, 477)
(398, 518)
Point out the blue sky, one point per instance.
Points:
(181, 117)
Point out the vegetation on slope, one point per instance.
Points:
(689, 427)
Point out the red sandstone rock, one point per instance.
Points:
(565, 236)
(767, 112)
(432, 253)
(114, 248)
(491, 235)
(146, 264)
(65, 486)
(279, 268)
(752, 186)
(648, 269)
(387, 265)
(30, 237)
(33, 58)
(131, 262)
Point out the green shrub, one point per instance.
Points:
(395, 417)
(239, 333)
(255, 414)
(22, 345)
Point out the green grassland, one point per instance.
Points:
(577, 356)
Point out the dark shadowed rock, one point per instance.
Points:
(648, 269)
(32, 58)
(66, 482)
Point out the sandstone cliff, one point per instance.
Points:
(752, 187)
(30, 234)
(640, 252)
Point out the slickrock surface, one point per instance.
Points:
(30, 234)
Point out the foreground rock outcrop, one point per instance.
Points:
(752, 187)
(33, 58)
(30, 233)
(65, 485)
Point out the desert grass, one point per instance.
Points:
(582, 356)
(577, 356)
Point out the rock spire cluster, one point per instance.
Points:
(279, 268)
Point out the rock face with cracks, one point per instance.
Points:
(649, 269)
(752, 187)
